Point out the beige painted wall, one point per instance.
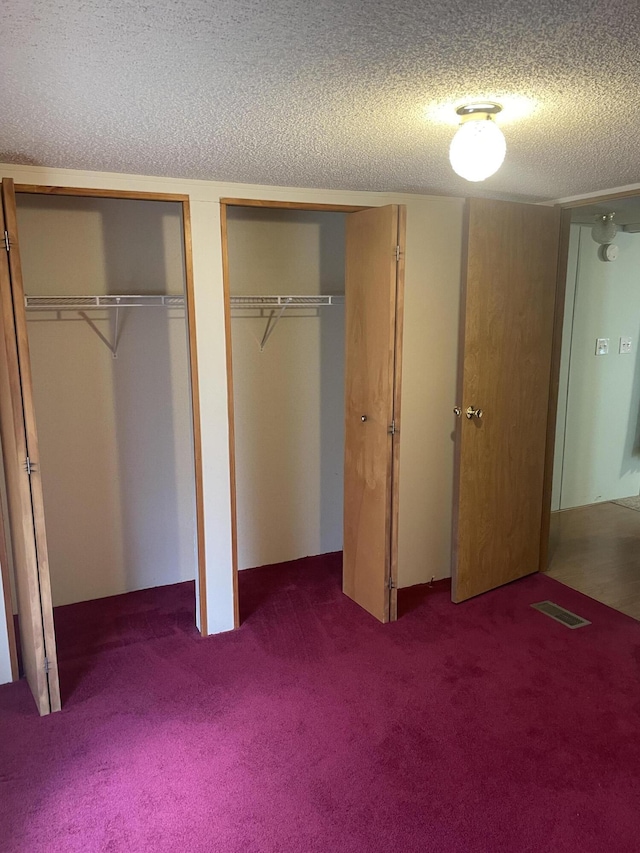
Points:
(115, 434)
(432, 295)
(289, 399)
(598, 455)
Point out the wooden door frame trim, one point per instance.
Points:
(561, 284)
(90, 192)
(184, 201)
(598, 199)
(195, 415)
(255, 203)
(293, 205)
(397, 411)
(230, 408)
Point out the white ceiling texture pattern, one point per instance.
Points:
(331, 93)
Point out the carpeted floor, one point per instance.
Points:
(484, 726)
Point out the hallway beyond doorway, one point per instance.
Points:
(595, 549)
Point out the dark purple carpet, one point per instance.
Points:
(484, 726)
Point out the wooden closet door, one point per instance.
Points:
(22, 473)
(374, 278)
(510, 279)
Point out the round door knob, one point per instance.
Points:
(457, 411)
(472, 412)
(363, 418)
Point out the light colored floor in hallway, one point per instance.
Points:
(596, 550)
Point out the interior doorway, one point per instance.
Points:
(595, 519)
(313, 300)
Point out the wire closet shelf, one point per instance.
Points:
(82, 304)
(272, 303)
(286, 301)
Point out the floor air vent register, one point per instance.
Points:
(560, 614)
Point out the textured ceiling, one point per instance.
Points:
(329, 93)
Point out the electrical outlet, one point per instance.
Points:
(625, 345)
(602, 346)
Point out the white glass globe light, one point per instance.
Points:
(605, 229)
(478, 148)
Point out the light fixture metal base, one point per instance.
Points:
(488, 108)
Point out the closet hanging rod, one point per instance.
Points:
(87, 303)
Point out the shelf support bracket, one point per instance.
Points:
(112, 347)
(272, 323)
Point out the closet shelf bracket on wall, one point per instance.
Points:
(82, 304)
(112, 347)
(282, 303)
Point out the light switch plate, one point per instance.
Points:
(602, 346)
(625, 345)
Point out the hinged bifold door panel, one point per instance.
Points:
(509, 285)
(373, 330)
(22, 474)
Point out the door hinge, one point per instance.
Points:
(29, 466)
(47, 665)
(397, 253)
(390, 583)
(392, 428)
(7, 242)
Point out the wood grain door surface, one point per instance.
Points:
(373, 283)
(509, 285)
(24, 489)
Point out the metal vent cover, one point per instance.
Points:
(566, 617)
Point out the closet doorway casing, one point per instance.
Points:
(374, 286)
(19, 433)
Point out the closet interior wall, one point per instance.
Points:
(288, 399)
(115, 434)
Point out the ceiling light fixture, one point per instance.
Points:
(478, 148)
(605, 229)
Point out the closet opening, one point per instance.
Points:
(107, 304)
(594, 542)
(313, 300)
